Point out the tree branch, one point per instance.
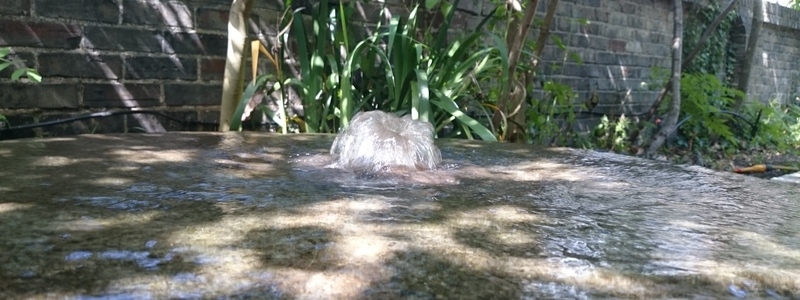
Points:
(668, 126)
(651, 113)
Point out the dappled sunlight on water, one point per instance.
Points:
(89, 224)
(208, 215)
(60, 161)
(155, 156)
(9, 207)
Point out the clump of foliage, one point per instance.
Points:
(611, 134)
(703, 102)
(401, 67)
(20, 71)
(778, 126)
(455, 83)
(551, 120)
(716, 56)
(551, 116)
(709, 129)
(20, 68)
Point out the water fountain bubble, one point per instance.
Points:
(381, 142)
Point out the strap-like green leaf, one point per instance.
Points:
(420, 97)
(252, 88)
(446, 103)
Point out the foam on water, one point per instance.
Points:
(377, 142)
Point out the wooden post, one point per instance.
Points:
(233, 82)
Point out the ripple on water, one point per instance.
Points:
(185, 277)
(121, 296)
(550, 290)
(143, 259)
(113, 202)
(608, 226)
(123, 255)
(78, 255)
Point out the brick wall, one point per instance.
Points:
(104, 54)
(168, 55)
(618, 47)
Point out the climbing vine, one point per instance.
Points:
(717, 55)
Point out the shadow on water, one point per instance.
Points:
(210, 215)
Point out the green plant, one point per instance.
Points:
(21, 70)
(432, 85)
(778, 125)
(716, 56)
(703, 102)
(551, 120)
(612, 133)
(320, 60)
(517, 17)
(400, 68)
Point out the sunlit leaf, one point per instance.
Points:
(34, 76)
(429, 4)
(446, 8)
(420, 99)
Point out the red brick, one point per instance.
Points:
(160, 68)
(80, 66)
(212, 19)
(192, 94)
(123, 39)
(106, 11)
(44, 34)
(157, 12)
(16, 95)
(212, 69)
(197, 44)
(119, 95)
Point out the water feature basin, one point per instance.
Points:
(238, 215)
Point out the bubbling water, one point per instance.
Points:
(377, 142)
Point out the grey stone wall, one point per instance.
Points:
(775, 73)
(619, 46)
(169, 55)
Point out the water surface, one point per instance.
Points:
(210, 215)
